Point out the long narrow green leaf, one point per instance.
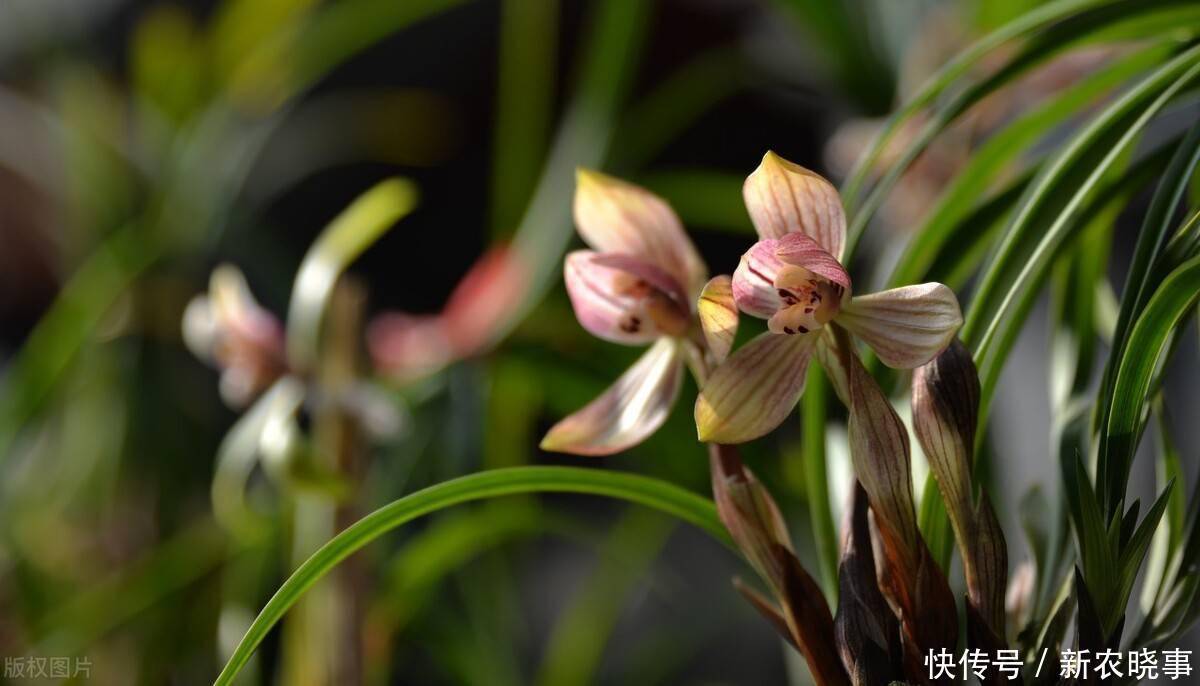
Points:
(1140, 282)
(643, 490)
(1052, 205)
(656, 119)
(1134, 372)
(1004, 147)
(947, 75)
(610, 53)
(1115, 192)
(846, 44)
(276, 71)
(1053, 40)
(1048, 15)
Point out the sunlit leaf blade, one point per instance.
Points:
(1089, 19)
(939, 233)
(948, 74)
(1147, 340)
(1051, 209)
(1143, 275)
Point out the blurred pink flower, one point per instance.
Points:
(230, 330)
(408, 346)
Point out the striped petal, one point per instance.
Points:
(800, 250)
(629, 411)
(718, 316)
(618, 217)
(754, 280)
(618, 301)
(754, 390)
(906, 327)
(784, 198)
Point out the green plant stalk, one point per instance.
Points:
(816, 480)
(340, 243)
(653, 493)
(336, 606)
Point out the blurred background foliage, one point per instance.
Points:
(144, 143)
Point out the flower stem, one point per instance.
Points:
(816, 479)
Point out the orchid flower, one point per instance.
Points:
(635, 286)
(230, 330)
(793, 277)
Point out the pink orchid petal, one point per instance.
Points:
(754, 288)
(629, 411)
(406, 347)
(718, 316)
(783, 197)
(618, 217)
(646, 272)
(906, 327)
(802, 251)
(237, 310)
(602, 302)
(484, 300)
(753, 391)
